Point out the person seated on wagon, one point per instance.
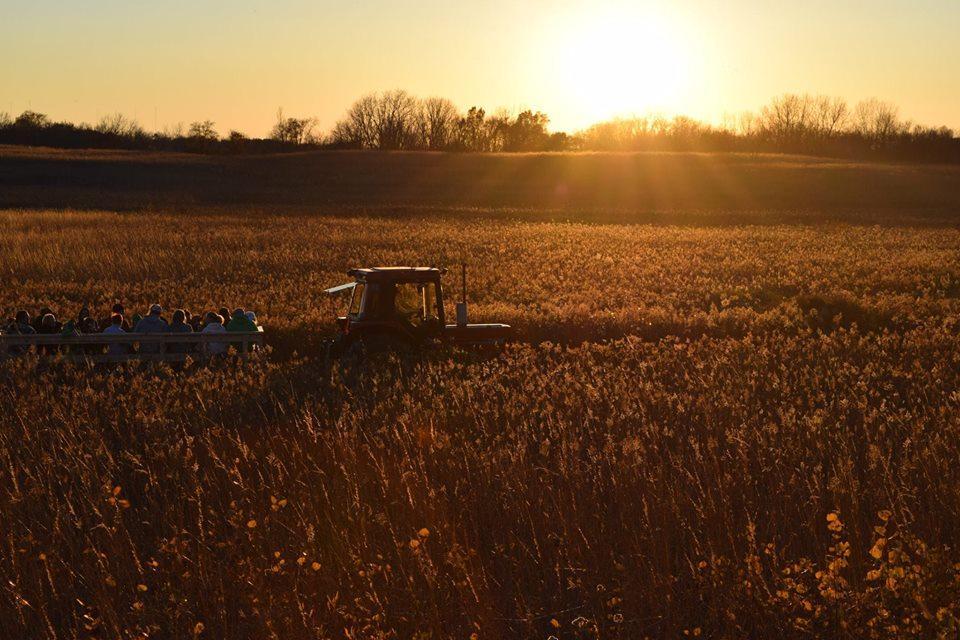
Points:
(20, 326)
(107, 322)
(240, 322)
(116, 328)
(179, 325)
(38, 321)
(49, 327)
(215, 325)
(153, 323)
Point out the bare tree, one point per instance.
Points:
(830, 116)
(173, 131)
(294, 130)
(385, 121)
(5, 119)
(787, 117)
(497, 127)
(436, 122)
(119, 125)
(747, 123)
(358, 129)
(394, 120)
(877, 120)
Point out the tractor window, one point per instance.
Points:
(407, 303)
(416, 302)
(355, 300)
(428, 295)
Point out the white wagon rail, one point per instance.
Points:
(157, 347)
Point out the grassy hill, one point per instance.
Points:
(636, 187)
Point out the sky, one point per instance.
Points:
(237, 62)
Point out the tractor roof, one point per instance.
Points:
(396, 274)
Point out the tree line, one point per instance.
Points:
(396, 120)
(791, 123)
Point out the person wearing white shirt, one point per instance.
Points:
(215, 325)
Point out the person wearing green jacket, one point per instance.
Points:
(240, 322)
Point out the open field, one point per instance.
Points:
(707, 427)
(692, 188)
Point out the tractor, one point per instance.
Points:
(402, 309)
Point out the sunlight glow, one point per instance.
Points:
(620, 61)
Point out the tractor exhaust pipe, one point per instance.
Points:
(462, 305)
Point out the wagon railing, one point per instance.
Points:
(161, 347)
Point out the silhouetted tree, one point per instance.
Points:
(386, 121)
(203, 130)
(119, 125)
(471, 131)
(32, 120)
(394, 120)
(173, 131)
(293, 130)
(497, 127)
(528, 132)
(878, 121)
(786, 118)
(436, 122)
(830, 116)
(358, 128)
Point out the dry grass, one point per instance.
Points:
(738, 431)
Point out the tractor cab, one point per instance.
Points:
(405, 306)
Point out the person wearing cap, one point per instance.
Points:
(153, 323)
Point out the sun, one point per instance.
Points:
(620, 61)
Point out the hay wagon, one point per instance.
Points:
(148, 347)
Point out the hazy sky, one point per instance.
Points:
(237, 61)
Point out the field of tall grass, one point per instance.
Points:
(713, 431)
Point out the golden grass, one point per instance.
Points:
(724, 432)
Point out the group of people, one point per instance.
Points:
(182, 321)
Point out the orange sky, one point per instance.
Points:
(237, 62)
